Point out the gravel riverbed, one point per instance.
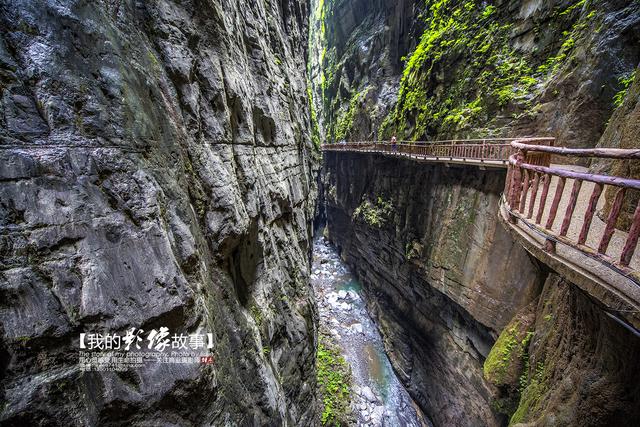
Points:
(379, 399)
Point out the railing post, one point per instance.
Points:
(516, 185)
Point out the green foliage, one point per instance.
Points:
(497, 363)
(570, 9)
(315, 129)
(333, 193)
(257, 314)
(625, 82)
(412, 250)
(376, 215)
(507, 366)
(23, 341)
(492, 74)
(464, 70)
(334, 384)
(531, 395)
(345, 121)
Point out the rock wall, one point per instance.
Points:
(156, 170)
(580, 367)
(438, 268)
(457, 68)
(479, 332)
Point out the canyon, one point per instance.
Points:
(162, 166)
(479, 330)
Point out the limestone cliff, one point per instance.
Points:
(156, 170)
(458, 68)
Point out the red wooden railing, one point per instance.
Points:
(528, 197)
(495, 150)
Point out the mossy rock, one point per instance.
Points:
(509, 355)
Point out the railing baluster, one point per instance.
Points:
(570, 207)
(507, 184)
(632, 239)
(611, 221)
(555, 203)
(534, 193)
(588, 216)
(543, 197)
(524, 192)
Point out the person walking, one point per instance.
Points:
(394, 144)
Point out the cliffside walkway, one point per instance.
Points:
(584, 225)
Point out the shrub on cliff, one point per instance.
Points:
(376, 215)
(334, 380)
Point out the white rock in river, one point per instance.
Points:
(332, 297)
(377, 414)
(368, 394)
(345, 306)
(357, 327)
(342, 294)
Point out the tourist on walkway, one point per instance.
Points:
(394, 144)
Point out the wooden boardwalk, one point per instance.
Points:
(558, 212)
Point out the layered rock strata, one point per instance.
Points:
(156, 170)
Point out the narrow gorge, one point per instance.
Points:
(479, 330)
(319, 212)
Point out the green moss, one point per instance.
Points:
(412, 250)
(345, 122)
(510, 349)
(23, 341)
(333, 378)
(497, 363)
(575, 6)
(464, 71)
(256, 313)
(493, 73)
(625, 82)
(376, 215)
(333, 193)
(531, 395)
(315, 129)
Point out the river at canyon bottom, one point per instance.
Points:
(379, 399)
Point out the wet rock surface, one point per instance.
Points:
(155, 171)
(379, 399)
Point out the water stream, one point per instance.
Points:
(379, 399)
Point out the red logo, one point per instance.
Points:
(206, 360)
